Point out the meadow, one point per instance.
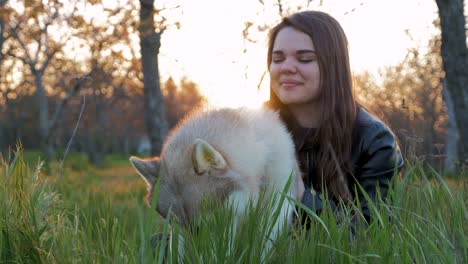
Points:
(79, 213)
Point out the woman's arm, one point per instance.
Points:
(310, 198)
(380, 159)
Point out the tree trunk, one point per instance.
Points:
(3, 139)
(451, 136)
(44, 130)
(150, 42)
(2, 30)
(455, 60)
(99, 138)
(90, 147)
(12, 123)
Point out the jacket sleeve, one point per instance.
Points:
(313, 201)
(380, 159)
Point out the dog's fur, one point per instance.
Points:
(230, 155)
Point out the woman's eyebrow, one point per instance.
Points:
(305, 51)
(299, 52)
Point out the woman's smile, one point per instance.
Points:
(289, 84)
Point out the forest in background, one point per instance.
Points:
(90, 66)
(54, 63)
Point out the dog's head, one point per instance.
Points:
(183, 176)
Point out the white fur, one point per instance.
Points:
(257, 151)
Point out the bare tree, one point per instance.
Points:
(454, 52)
(451, 136)
(110, 72)
(36, 49)
(3, 33)
(150, 42)
(410, 100)
(181, 99)
(3, 37)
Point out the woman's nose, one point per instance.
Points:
(288, 66)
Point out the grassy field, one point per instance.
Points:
(97, 215)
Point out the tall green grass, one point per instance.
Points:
(37, 225)
(66, 222)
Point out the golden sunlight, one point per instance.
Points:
(210, 49)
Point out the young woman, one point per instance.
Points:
(340, 145)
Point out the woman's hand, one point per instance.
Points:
(299, 187)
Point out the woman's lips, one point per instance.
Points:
(289, 84)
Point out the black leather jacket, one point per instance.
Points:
(375, 156)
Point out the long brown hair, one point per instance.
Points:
(338, 106)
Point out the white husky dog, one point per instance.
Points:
(227, 154)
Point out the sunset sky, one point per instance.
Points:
(208, 48)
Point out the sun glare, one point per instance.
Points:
(209, 48)
(234, 96)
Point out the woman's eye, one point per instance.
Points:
(306, 60)
(277, 60)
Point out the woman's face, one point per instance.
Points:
(294, 69)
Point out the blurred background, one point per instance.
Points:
(100, 75)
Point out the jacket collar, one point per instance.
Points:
(303, 137)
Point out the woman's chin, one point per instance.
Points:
(291, 100)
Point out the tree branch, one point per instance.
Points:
(76, 88)
(27, 60)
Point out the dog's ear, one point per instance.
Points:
(206, 157)
(147, 168)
